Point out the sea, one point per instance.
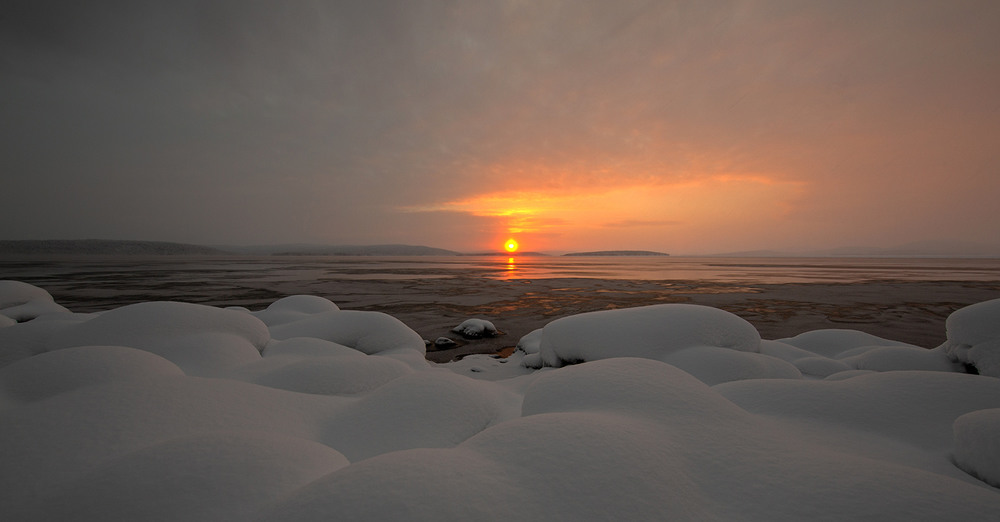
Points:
(92, 282)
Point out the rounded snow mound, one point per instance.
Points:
(293, 308)
(201, 340)
(476, 328)
(894, 358)
(326, 375)
(52, 373)
(23, 302)
(817, 366)
(834, 341)
(713, 365)
(202, 477)
(424, 409)
(977, 444)
(974, 337)
(368, 332)
(649, 332)
(624, 385)
(308, 347)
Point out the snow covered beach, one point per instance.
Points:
(301, 410)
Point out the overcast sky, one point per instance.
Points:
(686, 127)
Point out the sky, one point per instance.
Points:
(683, 127)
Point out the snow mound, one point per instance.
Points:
(650, 332)
(476, 328)
(713, 365)
(624, 385)
(23, 302)
(977, 444)
(974, 337)
(890, 358)
(367, 332)
(201, 340)
(22, 340)
(785, 352)
(639, 440)
(308, 347)
(833, 342)
(531, 342)
(817, 366)
(294, 308)
(429, 409)
(197, 478)
(52, 373)
(325, 375)
(917, 407)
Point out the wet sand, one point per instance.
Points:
(433, 302)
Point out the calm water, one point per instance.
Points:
(726, 270)
(903, 299)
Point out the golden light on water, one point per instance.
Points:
(510, 245)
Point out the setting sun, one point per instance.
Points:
(510, 245)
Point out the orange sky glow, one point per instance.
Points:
(643, 214)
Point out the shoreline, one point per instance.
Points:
(901, 300)
(907, 311)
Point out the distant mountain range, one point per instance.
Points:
(362, 250)
(102, 247)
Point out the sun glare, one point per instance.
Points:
(510, 245)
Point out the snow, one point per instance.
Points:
(476, 328)
(303, 411)
(714, 365)
(367, 332)
(201, 340)
(833, 342)
(977, 444)
(650, 332)
(293, 308)
(23, 302)
(974, 337)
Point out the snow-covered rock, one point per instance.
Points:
(713, 365)
(476, 328)
(818, 366)
(201, 340)
(977, 444)
(326, 375)
(23, 302)
(974, 337)
(368, 332)
(833, 342)
(294, 308)
(650, 332)
(52, 373)
(332, 414)
(890, 358)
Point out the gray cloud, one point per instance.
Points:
(278, 122)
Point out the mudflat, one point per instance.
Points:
(908, 303)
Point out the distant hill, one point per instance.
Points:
(361, 250)
(102, 247)
(620, 253)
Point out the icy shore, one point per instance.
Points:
(304, 411)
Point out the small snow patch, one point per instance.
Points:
(476, 328)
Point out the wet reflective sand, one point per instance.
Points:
(902, 299)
